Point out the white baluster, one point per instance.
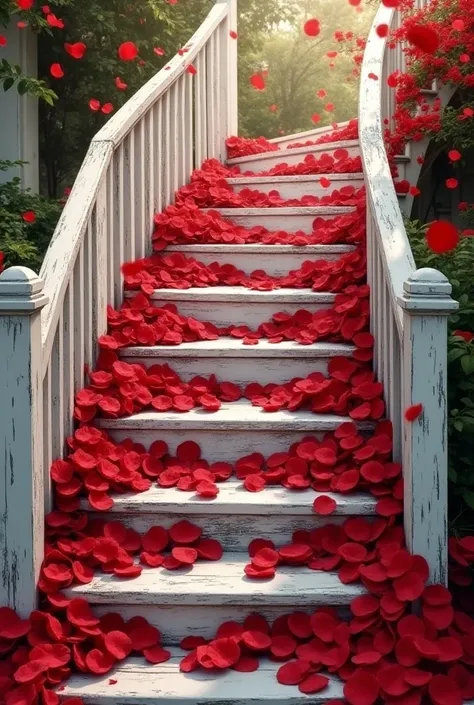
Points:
(201, 112)
(426, 304)
(21, 438)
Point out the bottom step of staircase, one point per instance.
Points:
(139, 683)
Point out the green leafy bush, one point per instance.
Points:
(458, 267)
(24, 243)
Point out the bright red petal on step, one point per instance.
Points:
(293, 673)
(361, 689)
(156, 654)
(324, 505)
(80, 614)
(209, 549)
(118, 644)
(256, 640)
(313, 684)
(444, 690)
(224, 652)
(185, 555)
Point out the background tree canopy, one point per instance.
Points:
(270, 36)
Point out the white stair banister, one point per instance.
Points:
(21, 425)
(409, 311)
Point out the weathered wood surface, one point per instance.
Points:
(267, 160)
(289, 219)
(296, 186)
(389, 237)
(246, 306)
(276, 260)
(240, 363)
(21, 439)
(313, 134)
(210, 583)
(144, 684)
(426, 304)
(234, 431)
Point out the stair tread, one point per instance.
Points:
(220, 582)
(238, 416)
(233, 347)
(143, 684)
(263, 249)
(284, 153)
(236, 180)
(283, 211)
(234, 499)
(241, 293)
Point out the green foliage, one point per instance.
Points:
(23, 243)
(297, 68)
(456, 130)
(457, 266)
(12, 75)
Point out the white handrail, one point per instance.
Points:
(409, 311)
(49, 325)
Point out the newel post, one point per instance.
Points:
(21, 452)
(426, 304)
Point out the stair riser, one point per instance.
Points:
(275, 221)
(298, 189)
(236, 531)
(292, 156)
(240, 370)
(225, 445)
(240, 313)
(176, 622)
(274, 264)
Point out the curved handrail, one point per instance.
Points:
(397, 257)
(68, 236)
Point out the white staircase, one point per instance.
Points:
(108, 222)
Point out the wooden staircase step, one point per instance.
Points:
(235, 516)
(276, 260)
(237, 305)
(234, 431)
(212, 583)
(291, 219)
(295, 155)
(235, 362)
(296, 186)
(140, 683)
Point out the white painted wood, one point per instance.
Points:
(233, 500)
(249, 307)
(276, 260)
(19, 133)
(296, 186)
(390, 236)
(313, 134)
(67, 239)
(234, 431)
(232, 72)
(267, 160)
(235, 516)
(240, 363)
(290, 219)
(426, 304)
(211, 583)
(143, 684)
(21, 439)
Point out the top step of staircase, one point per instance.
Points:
(295, 155)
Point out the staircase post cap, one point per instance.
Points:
(428, 282)
(21, 289)
(427, 291)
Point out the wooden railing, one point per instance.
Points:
(49, 325)
(409, 310)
